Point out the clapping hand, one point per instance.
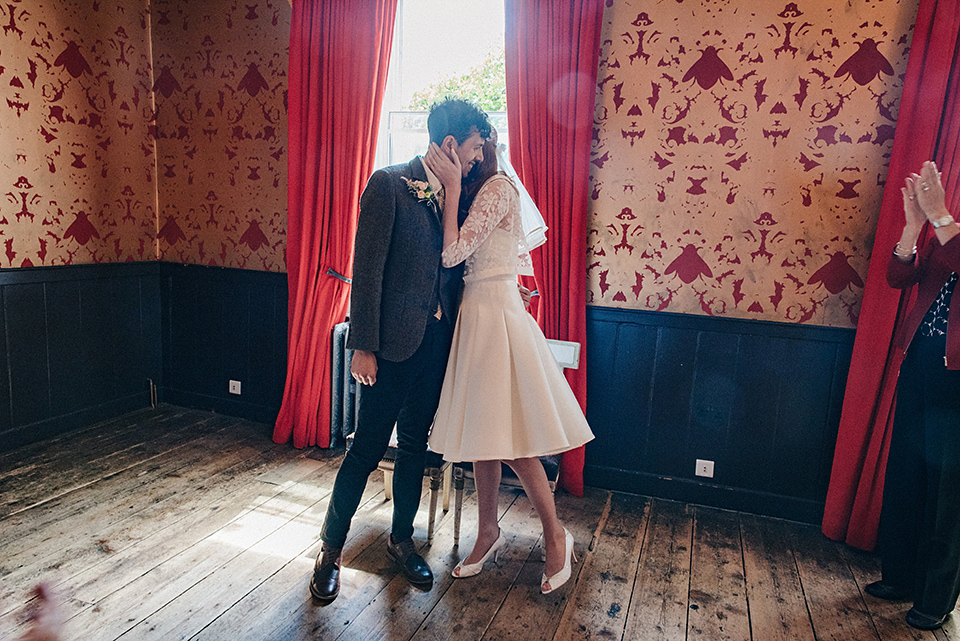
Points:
(927, 190)
(911, 208)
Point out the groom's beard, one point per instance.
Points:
(472, 174)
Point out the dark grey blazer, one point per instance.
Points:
(396, 265)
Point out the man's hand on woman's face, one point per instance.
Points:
(446, 166)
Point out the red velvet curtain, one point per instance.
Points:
(928, 126)
(339, 54)
(552, 53)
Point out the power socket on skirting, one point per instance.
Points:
(704, 468)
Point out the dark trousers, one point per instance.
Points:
(920, 522)
(406, 394)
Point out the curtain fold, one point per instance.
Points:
(552, 54)
(339, 55)
(928, 127)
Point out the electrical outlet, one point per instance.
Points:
(234, 387)
(705, 468)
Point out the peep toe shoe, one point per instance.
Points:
(464, 570)
(550, 583)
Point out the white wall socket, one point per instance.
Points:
(235, 389)
(705, 468)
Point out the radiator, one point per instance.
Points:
(345, 395)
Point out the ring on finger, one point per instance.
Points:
(925, 187)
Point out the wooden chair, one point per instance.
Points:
(567, 355)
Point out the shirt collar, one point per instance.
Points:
(435, 183)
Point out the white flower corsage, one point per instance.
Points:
(422, 190)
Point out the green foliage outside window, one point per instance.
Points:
(485, 84)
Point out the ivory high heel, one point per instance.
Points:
(550, 583)
(464, 570)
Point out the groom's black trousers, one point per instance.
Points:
(406, 394)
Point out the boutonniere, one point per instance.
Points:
(422, 190)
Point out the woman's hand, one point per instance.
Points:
(445, 166)
(928, 191)
(913, 214)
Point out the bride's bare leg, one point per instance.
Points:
(486, 476)
(534, 479)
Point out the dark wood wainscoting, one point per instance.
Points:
(82, 343)
(761, 400)
(221, 325)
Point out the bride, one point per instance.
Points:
(504, 398)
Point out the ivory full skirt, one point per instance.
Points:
(504, 396)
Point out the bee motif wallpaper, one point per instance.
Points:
(739, 156)
(77, 172)
(139, 130)
(740, 153)
(221, 92)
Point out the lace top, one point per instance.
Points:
(491, 239)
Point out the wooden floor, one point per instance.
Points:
(178, 524)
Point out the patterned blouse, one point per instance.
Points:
(935, 321)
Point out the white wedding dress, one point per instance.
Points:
(504, 396)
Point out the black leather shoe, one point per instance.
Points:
(921, 621)
(886, 591)
(325, 584)
(415, 569)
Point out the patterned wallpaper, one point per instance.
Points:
(740, 153)
(739, 156)
(77, 160)
(97, 128)
(221, 90)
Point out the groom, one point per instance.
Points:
(402, 309)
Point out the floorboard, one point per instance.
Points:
(600, 601)
(171, 523)
(718, 592)
(778, 611)
(658, 609)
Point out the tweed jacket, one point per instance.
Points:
(396, 266)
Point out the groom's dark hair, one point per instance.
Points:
(457, 118)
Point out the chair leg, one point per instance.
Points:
(447, 475)
(458, 504)
(434, 490)
(388, 481)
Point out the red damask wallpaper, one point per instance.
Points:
(221, 90)
(137, 130)
(740, 153)
(77, 170)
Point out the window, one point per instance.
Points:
(440, 47)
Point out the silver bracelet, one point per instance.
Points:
(896, 251)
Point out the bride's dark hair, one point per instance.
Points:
(481, 173)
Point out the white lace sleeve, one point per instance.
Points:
(494, 201)
(525, 265)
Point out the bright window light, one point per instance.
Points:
(440, 47)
